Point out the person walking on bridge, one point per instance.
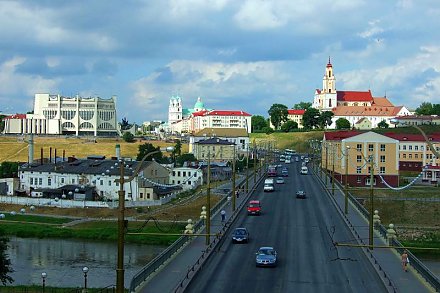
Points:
(405, 260)
(223, 214)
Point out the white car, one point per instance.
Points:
(280, 180)
(304, 170)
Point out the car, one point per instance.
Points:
(287, 161)
(296, 159)
(254, 207)
(306, 159)
(302, 157)
(266, 256)
(304, 170)
(279, 166)
(280, 180)
(285, 173)
(240, 235)
(301, 194)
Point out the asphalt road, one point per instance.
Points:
(301, 231)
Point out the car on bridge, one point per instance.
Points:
(254, 207)
(266, 256)
(301, 194)
(240, 235)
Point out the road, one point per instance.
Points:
(301, 231)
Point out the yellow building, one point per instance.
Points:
(361, 148)
(215, 148)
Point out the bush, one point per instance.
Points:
(128, 137)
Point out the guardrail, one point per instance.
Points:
(429, 276)
(159, 260)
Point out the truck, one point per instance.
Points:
(269, 185)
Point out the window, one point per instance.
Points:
(382, 170)
(416, 148)
(367, 181)
(422, 148)
(184, 173)
(40, 181)
(404, 156)
(358, 159)
(32, 181)
(410, 147)
(410, 156)
(101, 182)
(382, 159)
(109, 183)
(178, 173)
(358, 179)
(370, 147)
(49, 181)
(62, 180)
(369, 169)
(141, 195)
(358, 170)
(359, 147)
(73, 180)
(416, 156)
(404, 147)
(195, 174)
(174, 173)
(382, 147)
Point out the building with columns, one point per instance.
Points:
(353, 105)
(55, 114)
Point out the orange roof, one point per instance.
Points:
(296, 112)
(382, 101)
(16, 116)
(352, 96)
(366, 111)
(227, 113)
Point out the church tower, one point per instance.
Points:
(174, 109)
(329, 81)
(326, 99)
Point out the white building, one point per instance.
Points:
(353, 105)
(237, 136)
(55, 114)
(220, 119)
(93, 172)
(190, 178)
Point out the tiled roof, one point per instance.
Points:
(382, 101)
(227, 113)
(365, 111)
(222, 132)
(435, 137)
(296, 112)
(430, 167)
(342, 134)
(200, 113)
(352, 96)
(215, 140)
(16, 116)
(419, 117)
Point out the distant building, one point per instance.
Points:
(363, 124)
(55, 114)
(214, 148)
(295, 115)
(417, 120)
(189, 178)
(353, 105)
(239, 136)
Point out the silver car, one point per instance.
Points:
(266, 257)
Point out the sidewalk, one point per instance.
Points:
(169, 277)
(388, 260)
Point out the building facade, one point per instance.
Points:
(215, 149)
(55, 114)
(189, 178)
(238, 136)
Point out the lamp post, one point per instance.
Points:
(121, 217)
(233, 180)
(255, 162)
(85, 271)
(208, 200)
(43, 277)
(346, 180)
(333, 168)
(371, 200)
(247, 170)
(326, 163)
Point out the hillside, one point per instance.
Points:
(290, 140)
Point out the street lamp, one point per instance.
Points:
(43, 276)
(121, 216)
(233, 179)
(346, 180)
(333, 168)
(208, 200)
(85, 271)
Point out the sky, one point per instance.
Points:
(236, 55)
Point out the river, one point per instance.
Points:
(63, 261)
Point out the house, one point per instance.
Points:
(360, 147)
(417, 120)
(189, 178)
(239, 136)
(363, 124)
(9, 186)
(96, 172)
(295, 115)
(216, 149)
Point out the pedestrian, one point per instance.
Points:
(237, 193)
(223, 214)
(229, 199)
(405, 260)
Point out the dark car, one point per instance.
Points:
(301, 194)
(240, 235)
(266, 257)
(285, 173)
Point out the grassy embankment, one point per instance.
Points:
(289, 140)
(49, 289)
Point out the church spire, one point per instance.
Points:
(329, 64)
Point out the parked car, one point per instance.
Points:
(254, 207)
(266, 256)
(280, 180)
(240, 235)
(301, 194)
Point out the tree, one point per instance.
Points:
(310, 118)
(2, 122)
(5, 263)
(435, 109)
(185, 158)
(267, 130)
(302, 106)
(382, 124)
(258, 123)
(289, 125)
(342, 123)
(148, 148)
(8, 169)
(128, 137)
(278, 114)
(325, 119)
(424, 109)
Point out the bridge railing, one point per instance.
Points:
(414, 261)
(160, 259)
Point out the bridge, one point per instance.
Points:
(305, 233)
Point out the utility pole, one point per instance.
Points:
(333, 169)
(255, 163)
(326, 163)
(208, 200)
(346, 180)
(371, 201)
(121, 231)
(233, 180)
(247, 170)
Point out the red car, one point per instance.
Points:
(254, 207)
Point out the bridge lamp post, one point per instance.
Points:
(121, 217)
(85, 271)
(247, 169)
(346, 180)
(208, 200)
(233, 179)
(43, 277)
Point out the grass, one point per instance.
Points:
(289, 140)
(49, 289)
(35, 219)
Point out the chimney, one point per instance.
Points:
(64, 155)
(55, 161)
(50, 155)
(118, 151)
(31, 149)
(41, 154)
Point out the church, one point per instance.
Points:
(358, 107)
